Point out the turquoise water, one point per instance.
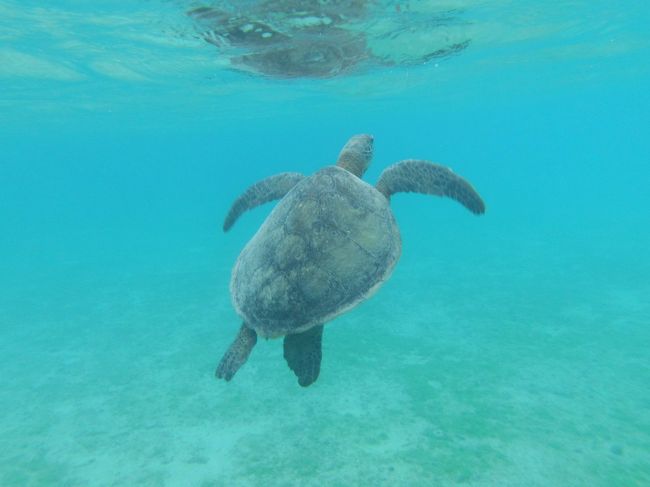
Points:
(509, 349)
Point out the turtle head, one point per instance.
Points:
(356, 154)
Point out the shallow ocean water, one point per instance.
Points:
(509, 349)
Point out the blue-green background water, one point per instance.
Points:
(506, 350)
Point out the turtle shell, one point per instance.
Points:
(327, 245)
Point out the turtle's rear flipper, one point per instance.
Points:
(237, 354)
(302, 351)
(413, 176)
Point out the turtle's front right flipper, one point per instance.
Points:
(269, 189)
(237, 354)
(415, 176)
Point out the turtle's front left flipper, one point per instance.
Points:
(269, 189)
(413, 176)
(302, 351)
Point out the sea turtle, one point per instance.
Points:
(328, 245)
